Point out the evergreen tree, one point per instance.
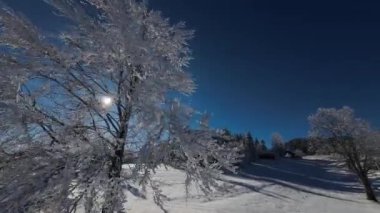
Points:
(263, 146)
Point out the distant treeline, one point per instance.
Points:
(251, 147)
(309, 146)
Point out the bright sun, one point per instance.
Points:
(106, 101)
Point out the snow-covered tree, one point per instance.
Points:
(251, 152)
(278, 145)
(350, 137)
(260, 146)
(71, 104)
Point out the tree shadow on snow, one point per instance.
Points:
(309, 176)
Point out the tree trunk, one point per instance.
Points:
(368, 187)
(115, 169)
(117, 158)
(116, 162)
(114, 174)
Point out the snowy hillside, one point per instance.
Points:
(307, 186)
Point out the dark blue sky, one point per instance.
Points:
(264, 66)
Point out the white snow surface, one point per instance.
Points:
(311, 185)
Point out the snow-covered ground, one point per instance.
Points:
(311, 185)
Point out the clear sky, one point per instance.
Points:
(264, 66)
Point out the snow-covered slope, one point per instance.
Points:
(305, 186)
